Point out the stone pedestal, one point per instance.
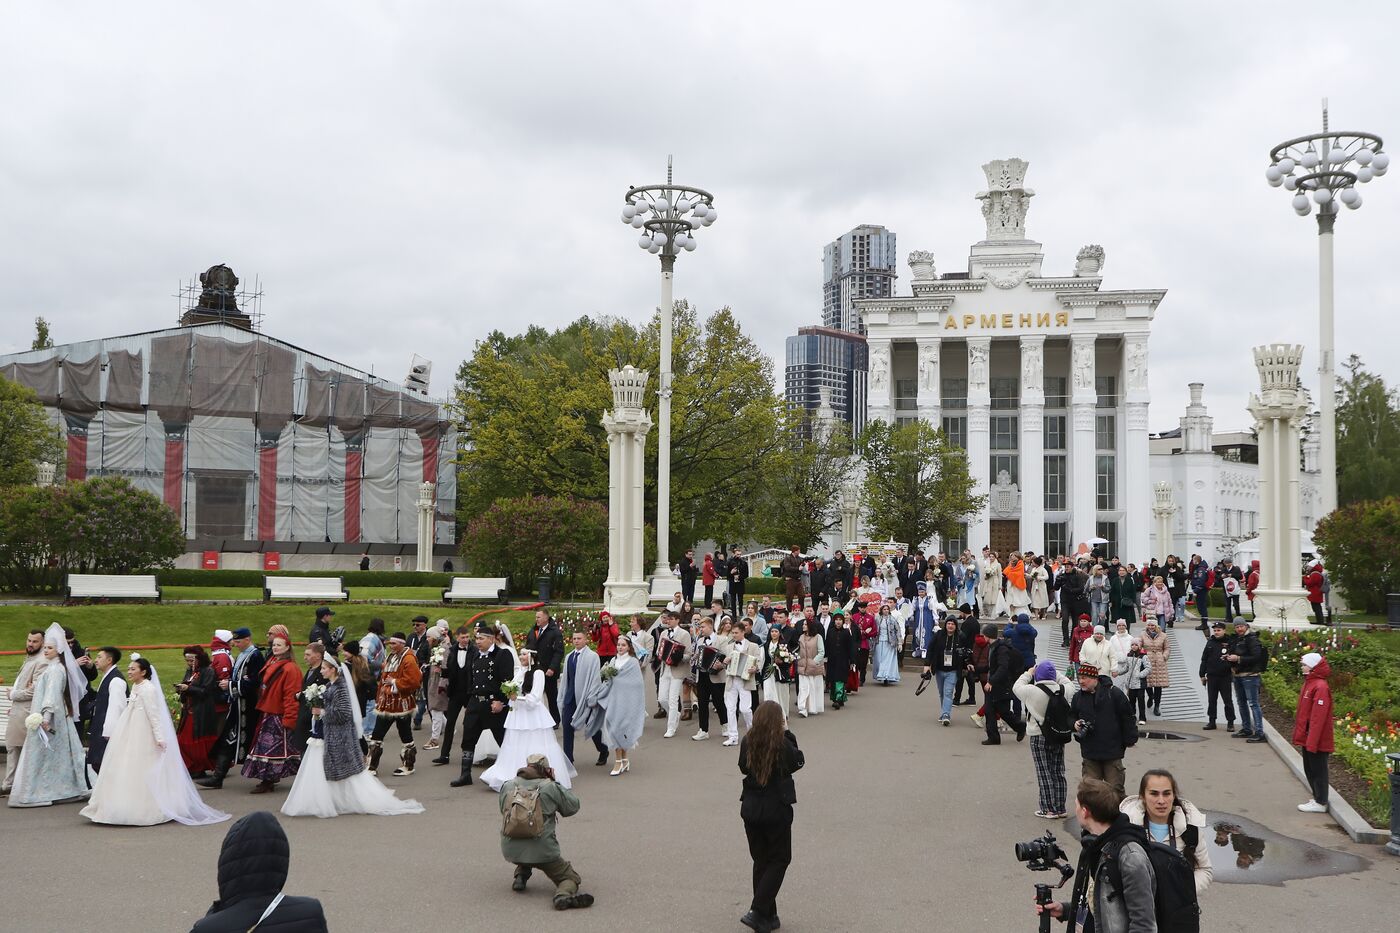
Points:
(1279, 410)
(426, 507)
(1163, 508)
(628, 424)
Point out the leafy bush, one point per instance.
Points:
(1360, 545)
(556, 537)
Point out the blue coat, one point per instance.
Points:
(1022, 636)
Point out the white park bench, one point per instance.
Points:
(662, 591)
(4, 708)
(112, 586)
(309, 588)
(476, 588)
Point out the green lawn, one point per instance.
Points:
(211, 592)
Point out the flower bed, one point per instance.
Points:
(1365, 683)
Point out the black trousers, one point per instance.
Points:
(770, 847)
(709, 598)
(1000, 707)
(454, 709)
(969, 678)
(708, 695)
(479, 719)
(736, 599)
(1317, 614)
(1219, 686)
(405, 724)
(568, 726)
(1137, 699)
(1315, 767)
(688, 591)
(1154, 696)
(863, 662)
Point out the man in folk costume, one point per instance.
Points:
(241, 720)
(487, 667)
(395, 703)
(923, 619)
(221, 660)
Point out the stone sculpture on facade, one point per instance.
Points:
(879, 376)
(1083, 366)
(1006, 200)
(928, 366)
(1032, 368)
(976, 367)
(1137, 364)
(921, 266)
(627, 425)
(1004, 497)
(1089, 262)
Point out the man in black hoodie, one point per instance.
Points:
(252, 870)
(1004, 666)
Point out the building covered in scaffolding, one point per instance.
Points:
(257, 444)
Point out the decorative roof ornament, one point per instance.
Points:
(921, 265)
(1089, 263)
(1006, 200)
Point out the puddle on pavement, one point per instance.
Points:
(1244, 852)
(1171, 736)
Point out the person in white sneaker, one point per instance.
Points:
(673, 647)
(740, 678)
(1312, 730)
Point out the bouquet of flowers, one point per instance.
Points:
(33, 721)
(511, 689)
(608, 672)
(315, 696)
(439, 655)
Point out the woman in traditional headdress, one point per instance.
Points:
(52, 766)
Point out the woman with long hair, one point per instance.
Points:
(1159, 808)
(811, 669)
(777, 671)
(199, 721)
(274, 755)
(768, 758)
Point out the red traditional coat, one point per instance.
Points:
(398, 684)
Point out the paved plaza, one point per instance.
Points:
(900, 824)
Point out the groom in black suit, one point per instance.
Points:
(109, 678)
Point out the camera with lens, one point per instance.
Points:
(1041, 854)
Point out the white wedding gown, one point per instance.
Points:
(313, 795)
(529, 731)
(140, 784)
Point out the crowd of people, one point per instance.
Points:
(742, 667)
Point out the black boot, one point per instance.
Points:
(407, 760)
(216, 780)
(375, 750)
(466, 777)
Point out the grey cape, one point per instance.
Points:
(623, 703)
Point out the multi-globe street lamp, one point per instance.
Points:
(668, 216)
(1324, 170)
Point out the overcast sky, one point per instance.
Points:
(406, 177)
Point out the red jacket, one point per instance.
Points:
(1251, 581)
(605, 636)
(866, 627)
(1312, 731)
(1313, 583)
(1077, 638)
(281, 682)
(707, 572)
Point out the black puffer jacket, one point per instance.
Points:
(252, 870)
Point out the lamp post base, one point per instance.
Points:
(1282, 609)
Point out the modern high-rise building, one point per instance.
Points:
(824, 357)
(858, 264)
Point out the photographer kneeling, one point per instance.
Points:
(1114, 857)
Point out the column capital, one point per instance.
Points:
(1136, 415)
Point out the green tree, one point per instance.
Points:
(801, 499)
(531, 410)
(27, 437)
(917, 484)
(1368, 437)
(1360, 546)
(558, 537)
(42, 340)
(101, 525)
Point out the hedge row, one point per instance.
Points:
(245, 578)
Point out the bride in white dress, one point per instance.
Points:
(529, 731)
(332, 779)
(143, 780)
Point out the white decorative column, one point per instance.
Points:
(979, 442)
(1163, 508)
(1032, 443)
(627, 425)
(880, 386)
(930, 399)
(426, 507)
(1137, 483)
(1279, 410)
(1083, 501)
(850, 515)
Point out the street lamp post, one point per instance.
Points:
(1325, 168)
(668, 217)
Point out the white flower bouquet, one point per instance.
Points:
(315, 696)
(33, 721)
(608, 672)
(439, 655)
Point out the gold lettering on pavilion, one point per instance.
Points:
(1007, 321)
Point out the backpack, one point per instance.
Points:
(523, 816)
(1175, 903)
(1058, 725)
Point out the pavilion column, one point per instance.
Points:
(930, 399)
(1083, 399)
(979, 452)
(1137, 482)
(1032, 444)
